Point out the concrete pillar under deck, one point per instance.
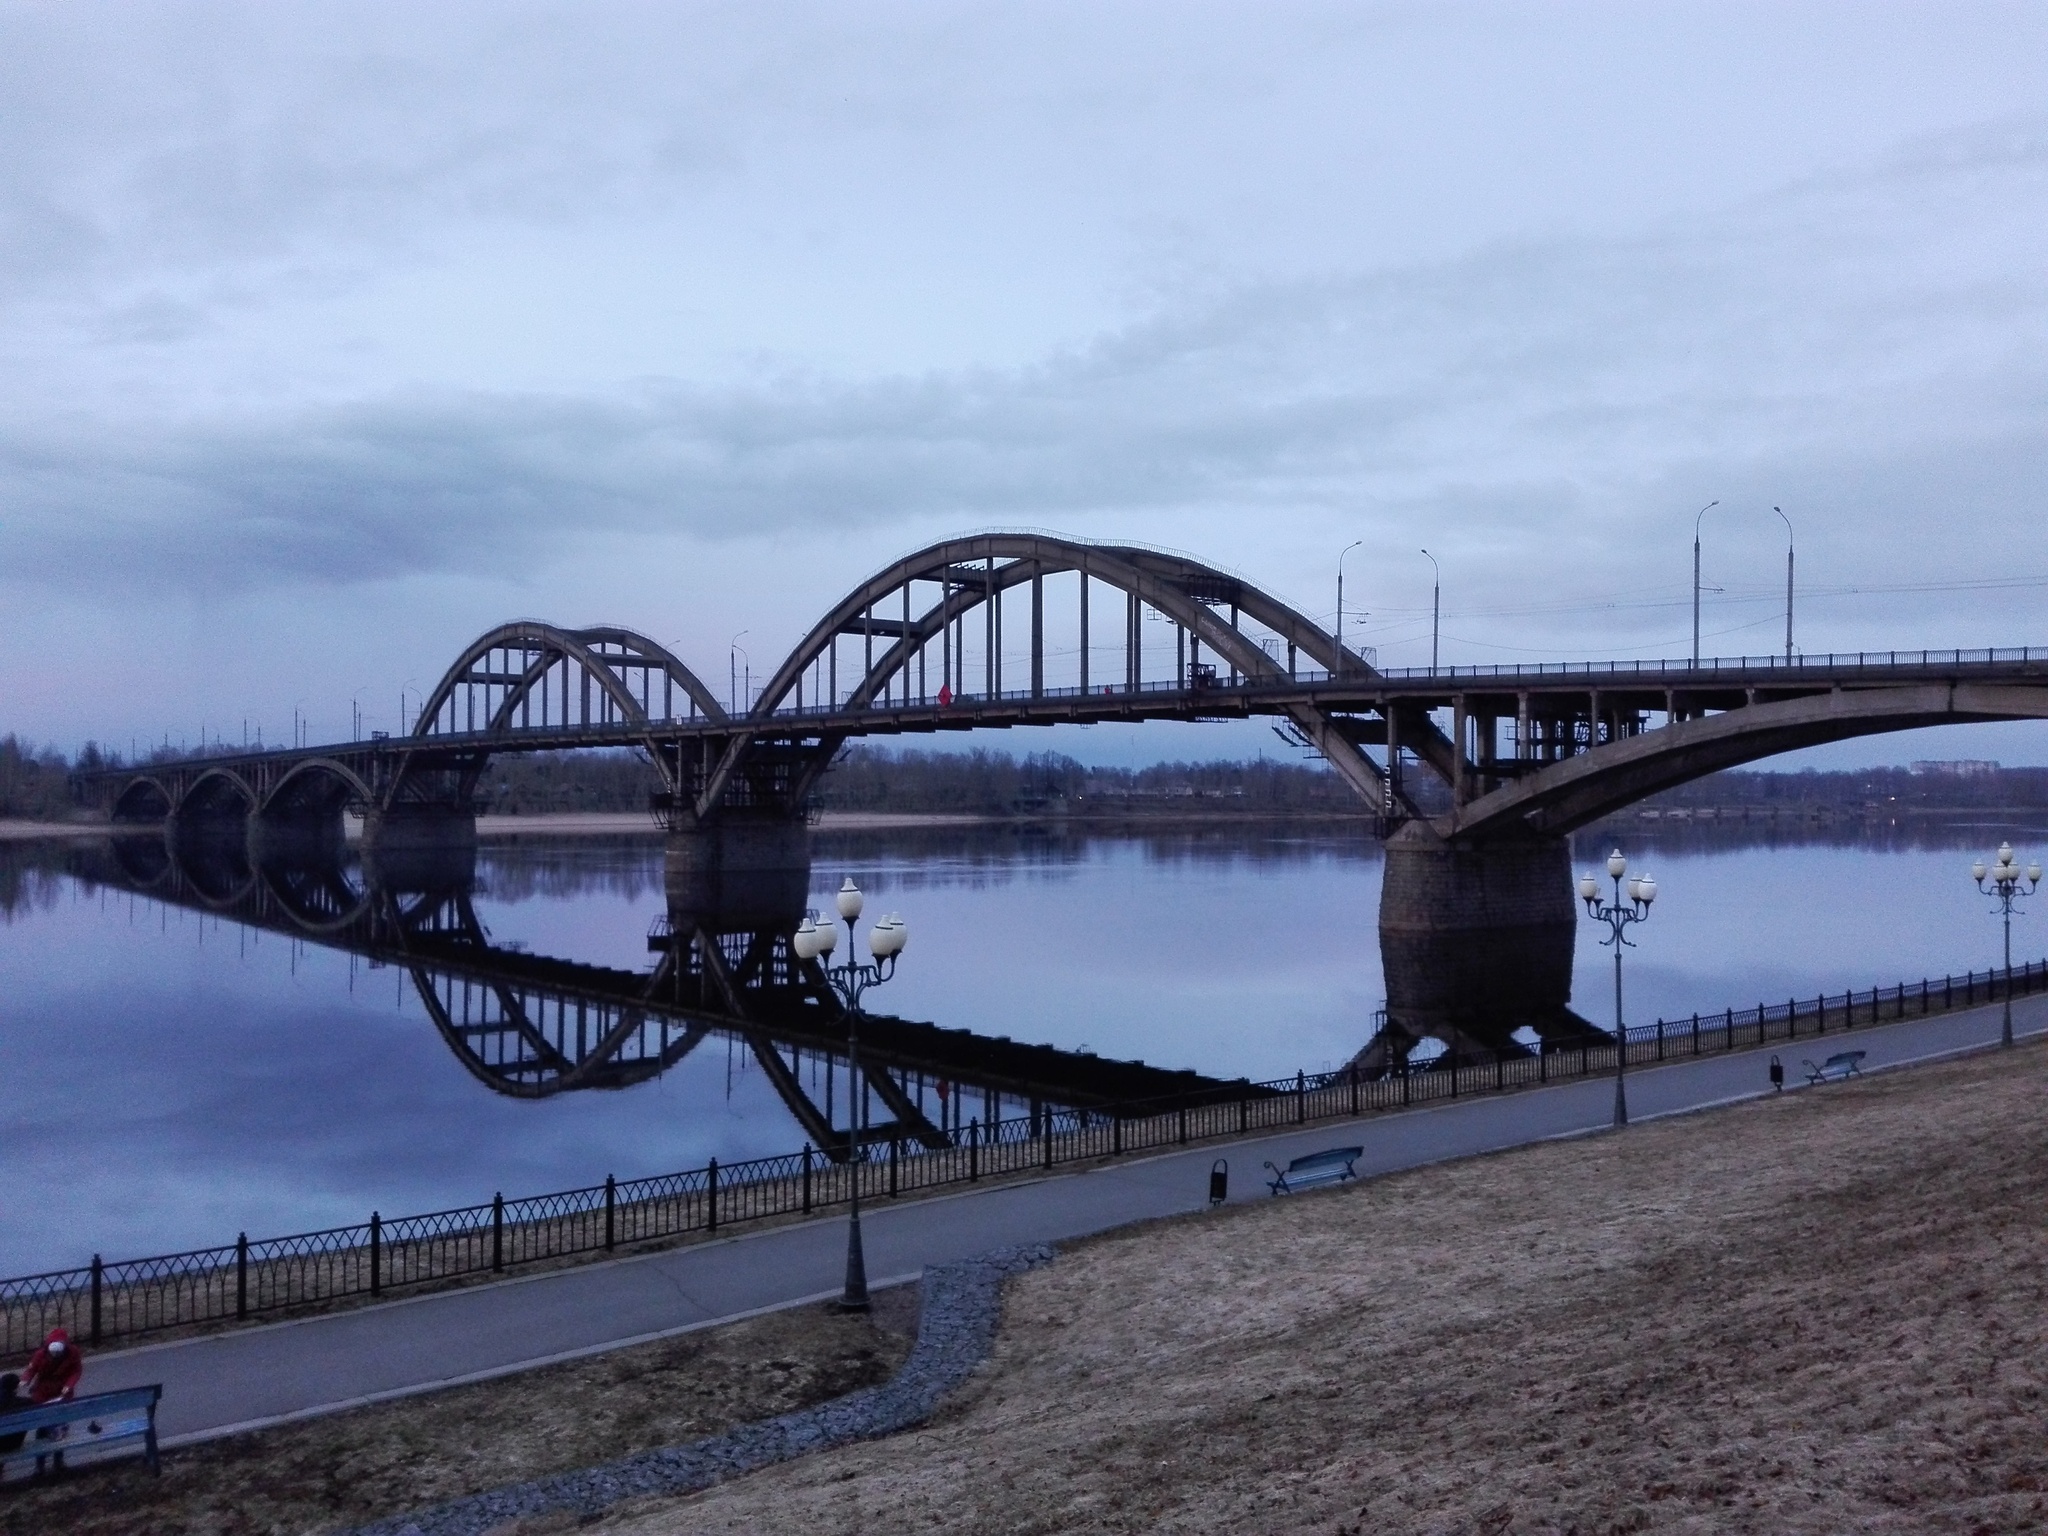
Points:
(740, 871)
(419, 847)
(1476, 940)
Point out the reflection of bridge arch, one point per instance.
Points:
(319, 898)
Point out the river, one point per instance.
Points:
(174, 1076)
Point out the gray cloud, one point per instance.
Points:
(1528, 394)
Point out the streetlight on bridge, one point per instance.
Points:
(1788, 581)
(1642, 890)
(816, 939)
(1341, 668)
(1436, 605)
(2005, 889)
(1696, 579)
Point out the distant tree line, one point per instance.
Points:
(865, 777)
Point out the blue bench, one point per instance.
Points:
(1838, 1068)
(1331, 1167)
(104, 1421)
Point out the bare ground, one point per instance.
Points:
(352, 1467)
(1817, 1314)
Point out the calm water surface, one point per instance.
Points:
(174, 1077)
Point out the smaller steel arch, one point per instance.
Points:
(543, 646)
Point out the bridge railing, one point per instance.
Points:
(266, 1277)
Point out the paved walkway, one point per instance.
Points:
(262, 1375)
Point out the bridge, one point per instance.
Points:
(1022, 629)
(532, 1026)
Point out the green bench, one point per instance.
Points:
(1330, 1167)
(102, 1422)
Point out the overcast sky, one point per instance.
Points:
(333, 335)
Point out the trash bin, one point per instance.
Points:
(1777, 1074)
(1219, 1182)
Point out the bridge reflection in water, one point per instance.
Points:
(721, 968)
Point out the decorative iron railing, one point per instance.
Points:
(255, 1278)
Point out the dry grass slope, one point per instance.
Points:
(1818, 1314)
(353, 1467)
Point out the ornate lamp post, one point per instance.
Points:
(2005, 889)
(1642, 890)
(816, 940)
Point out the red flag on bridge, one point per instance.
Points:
(945, 694)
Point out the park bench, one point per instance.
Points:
(1330, 1167)
(1838, 1068)
(101, 1422)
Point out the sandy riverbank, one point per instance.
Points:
(29, 831)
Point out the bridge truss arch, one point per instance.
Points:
(959, 620)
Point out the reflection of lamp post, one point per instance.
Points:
(1642, 890)
(850, 979)
(2005, 887)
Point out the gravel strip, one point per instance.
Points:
(959, 1307)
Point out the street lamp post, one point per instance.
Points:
(1788, 581)
(732, 670)
(1696, 579)
(1642, 890)
(850, 979)
(1340, 601)
(2005, 889)
(1436, 605)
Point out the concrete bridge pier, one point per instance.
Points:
(1476, 941)
(743, 870)
(419, 846)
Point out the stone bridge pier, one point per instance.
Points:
(1476, 941)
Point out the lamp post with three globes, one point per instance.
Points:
(1642, 890)
(2005, 888)
(815, 939)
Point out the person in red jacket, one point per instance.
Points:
(52, 1372)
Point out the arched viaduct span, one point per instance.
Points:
(1018, 629)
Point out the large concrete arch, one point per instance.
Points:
(1582, 789)
(316, 784)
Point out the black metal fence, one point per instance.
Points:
(249, 1278)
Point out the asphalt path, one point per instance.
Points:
(250, 1377)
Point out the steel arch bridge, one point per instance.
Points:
(1007, 630)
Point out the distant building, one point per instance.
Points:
(1960, 768)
